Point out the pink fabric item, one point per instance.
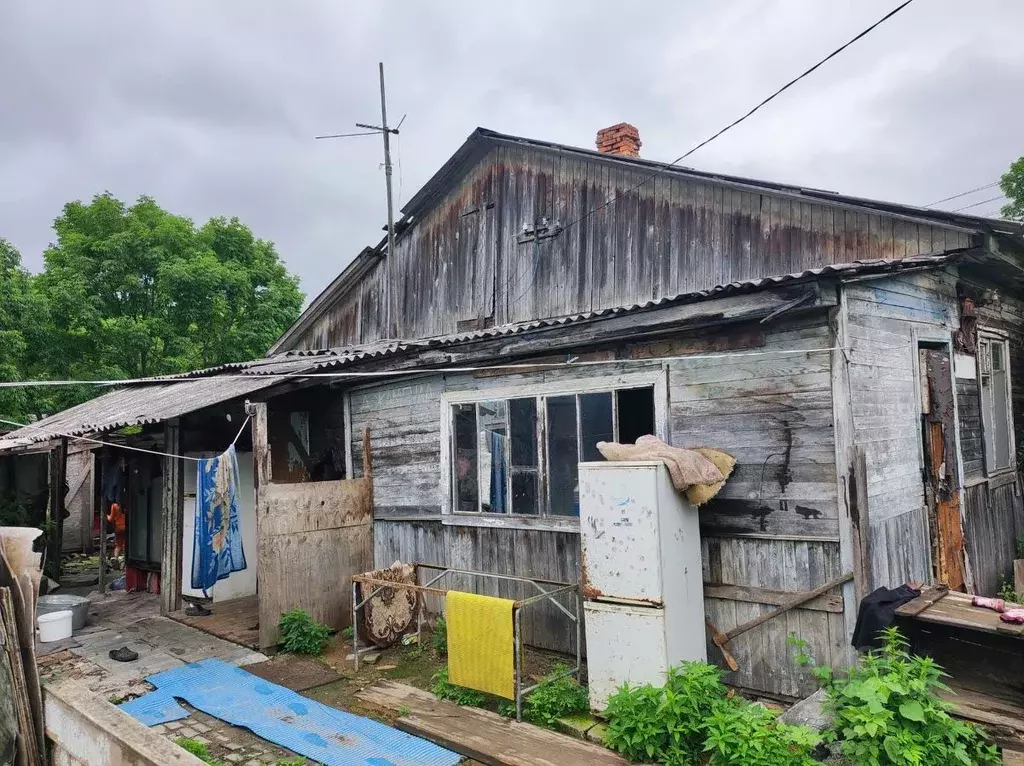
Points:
(1016, 616)
(996, 604)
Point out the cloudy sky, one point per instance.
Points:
(211, 107)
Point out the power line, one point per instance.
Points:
(976, 204)
(963, 194)
(732, 124)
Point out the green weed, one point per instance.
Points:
(301, 634)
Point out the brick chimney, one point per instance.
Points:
(622, 139)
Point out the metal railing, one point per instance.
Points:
(543, 594)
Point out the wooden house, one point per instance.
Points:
(856, 357)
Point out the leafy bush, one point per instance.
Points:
(439, 637)
(693, 714)
(666, 723)
(1007, 593)
(554, 698)
(887, 711)
(636, 727)
(747, 734)
(198, 749)
(301, 634)
(460, 695)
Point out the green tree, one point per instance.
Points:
(135, 291)
(1012, 185)
(22, 319)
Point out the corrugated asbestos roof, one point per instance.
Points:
(156, 399)
(139, 404)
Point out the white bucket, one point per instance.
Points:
(55, 626)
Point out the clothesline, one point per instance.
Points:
(51, 434)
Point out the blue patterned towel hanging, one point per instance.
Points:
(217, 549)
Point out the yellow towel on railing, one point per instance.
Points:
(480, 645)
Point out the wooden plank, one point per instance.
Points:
(172, 518)
(311, 506)
(758, 595)
(928, 597)
(480, 734)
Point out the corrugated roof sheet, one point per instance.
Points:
(139, 404)
(157, 399)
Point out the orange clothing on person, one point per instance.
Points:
(117, 519)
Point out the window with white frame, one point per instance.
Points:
(519, 456)
(996, 411)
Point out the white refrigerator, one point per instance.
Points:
(641, 576)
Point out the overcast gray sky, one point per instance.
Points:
(211, 107)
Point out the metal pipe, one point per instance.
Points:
(355, 628)
(491, 574)
(517, 664)
(579, 634)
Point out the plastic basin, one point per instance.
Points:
(58, 602)
(54, 626)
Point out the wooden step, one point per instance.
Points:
(480, 734)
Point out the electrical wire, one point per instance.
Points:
(728, 127)
(976, 204)
(963, 194)
(52, 434)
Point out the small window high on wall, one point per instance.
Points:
(520, 456)
(996, 412)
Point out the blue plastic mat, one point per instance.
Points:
(283, 717)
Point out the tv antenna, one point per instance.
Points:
(386, 131)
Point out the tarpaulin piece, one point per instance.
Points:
(480, 645)
(154, 708)
(304, 726)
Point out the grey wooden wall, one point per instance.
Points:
(883, 316)
(463, 262)
(775, 525)
(992, 507)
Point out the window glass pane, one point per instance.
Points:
(1000, 417)
(563, 456)
(522, 415)
(595, 424)
(465, 469)
(636, 413)
(492, 452)
(997, 357)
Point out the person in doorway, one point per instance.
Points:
(116, 519)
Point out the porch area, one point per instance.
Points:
(237, 621)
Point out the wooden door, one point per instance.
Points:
(940, 468)
(313, 536)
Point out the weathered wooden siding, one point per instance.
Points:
(767, 402)
(992, 507)
(523, 552)
(972, 447)
(466, 262)
(881, 319)
(993, 517)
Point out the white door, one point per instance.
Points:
(621, 553)
(624, 644)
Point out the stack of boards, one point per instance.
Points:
(21, 699)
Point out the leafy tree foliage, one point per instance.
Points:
(1012, 185)
(22, 317)
(133, 291)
